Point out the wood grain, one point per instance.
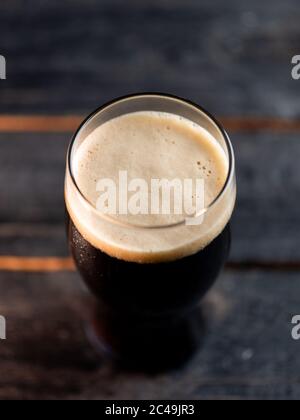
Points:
(70, 123)
(40, 124)
(35, 264)
(65, 59)
(58, 264)
(232, 58)
(248, 351)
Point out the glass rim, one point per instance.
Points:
(183, 101)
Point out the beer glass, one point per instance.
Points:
(148, 314)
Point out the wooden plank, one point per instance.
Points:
(248, 351)
(40, 124)
(48, 264)
(230, 57)
(33, 239)
(70, 123)
(265, 220)
(264, 224)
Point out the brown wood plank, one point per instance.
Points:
(40, 124)
(35, 264)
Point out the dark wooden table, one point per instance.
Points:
(66, 58)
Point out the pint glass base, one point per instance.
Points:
(152, 346)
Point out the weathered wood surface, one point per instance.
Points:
(232, 57)
(248, 351)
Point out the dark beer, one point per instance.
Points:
(149, 282)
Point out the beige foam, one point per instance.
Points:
(149, 145)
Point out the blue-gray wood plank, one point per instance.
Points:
(233, 57)
(265, 224)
